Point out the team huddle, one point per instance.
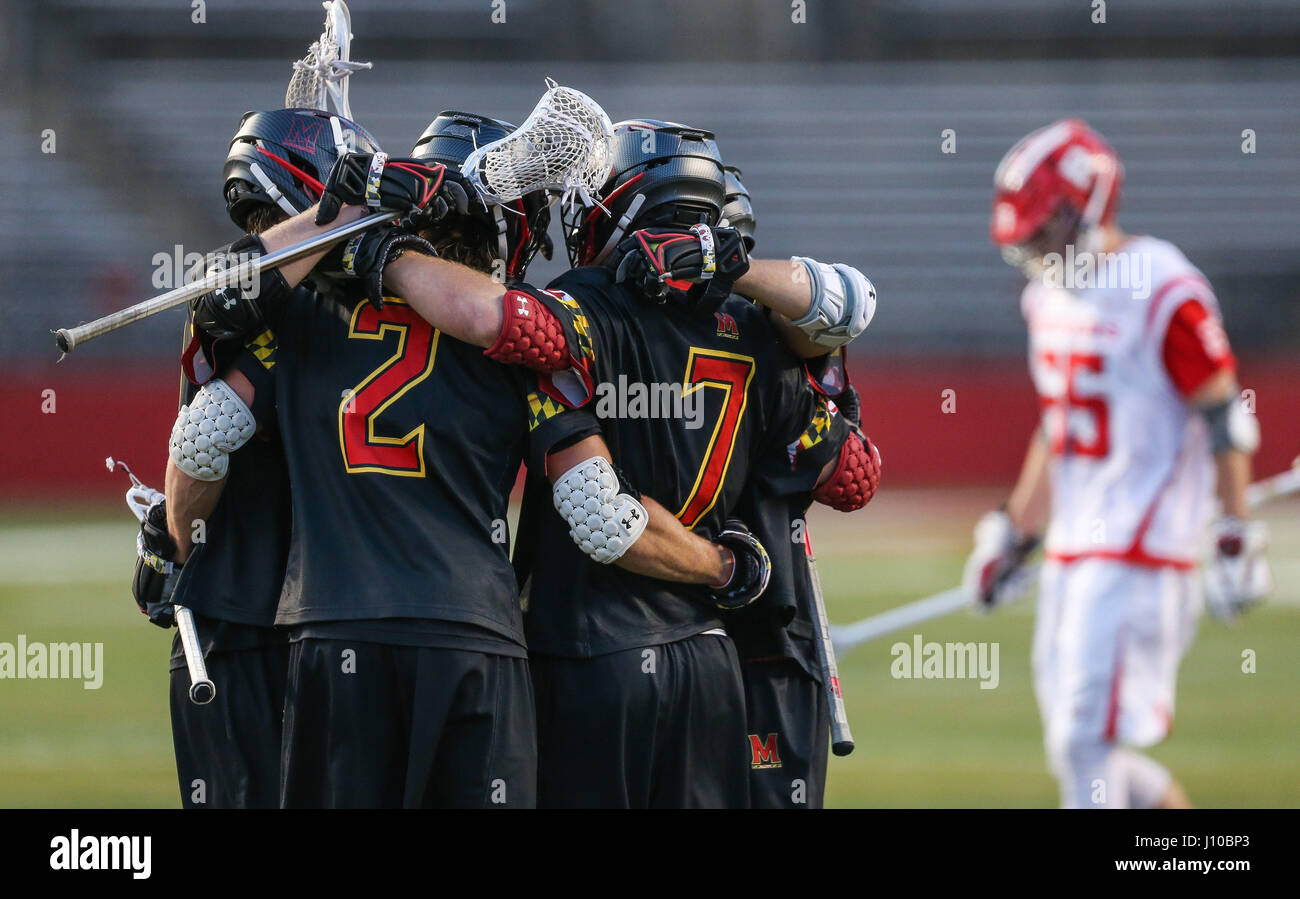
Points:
(352, 425)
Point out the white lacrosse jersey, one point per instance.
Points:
(1113, 354)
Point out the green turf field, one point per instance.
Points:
(64, 577)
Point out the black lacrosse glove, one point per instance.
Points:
(705, 262)
(364, 256)
(239, 312)
(378, 182)
(750, 572)
(155, 571)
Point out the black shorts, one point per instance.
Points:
(372, 725)
(228, 751)
(653, 727)
(789, 735)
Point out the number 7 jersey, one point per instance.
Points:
(1131, 470)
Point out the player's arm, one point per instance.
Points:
(1202, 367)
(638, 534)
(1005, 538)
(816, 306)
(213, 425)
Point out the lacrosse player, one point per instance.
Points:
(786, 704)
(227, 564)
(1142, 423)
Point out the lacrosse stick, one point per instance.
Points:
(320, 79)
(849, 636)
(139, 497)
(841, 736)
(563, 145)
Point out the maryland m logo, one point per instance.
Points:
(727, 326)
(763, 754)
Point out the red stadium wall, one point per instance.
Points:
(56, 452)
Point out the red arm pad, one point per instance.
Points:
(530, 336)
(855, 478)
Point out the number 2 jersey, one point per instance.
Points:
(402, 446)
(1131, 470)
(689, 405)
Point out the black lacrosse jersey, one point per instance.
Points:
(688, 403)
(235, 572)
(402, 446)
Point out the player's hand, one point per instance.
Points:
(1238, 576)
(155, 571)
(364, 257)
(995, 572)
(750, 571)
(650, 260)
(378, 182)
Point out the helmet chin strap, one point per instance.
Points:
(271, 190)
(620, 229)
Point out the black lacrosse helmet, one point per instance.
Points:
(513, 233)
(282, 157)
(738, 212)
(664, 175)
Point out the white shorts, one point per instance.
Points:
(1107, 644)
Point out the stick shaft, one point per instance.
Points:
(69, 339)
(841, 735)
(202, 689)
(849, 636)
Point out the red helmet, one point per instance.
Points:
(1065, 170)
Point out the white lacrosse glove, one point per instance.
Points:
(1238, 575)
(995, 572)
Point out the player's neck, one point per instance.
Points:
(1113, 239)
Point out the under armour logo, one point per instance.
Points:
(523, 306)
(228, 300)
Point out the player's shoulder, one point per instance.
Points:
(1172, 278)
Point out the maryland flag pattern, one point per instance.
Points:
(263, 346)
(577, 319)
(541, 408)
(817, 429)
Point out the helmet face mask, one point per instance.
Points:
(282, 157)
(1057, 187)
(489, 236)
(738, 212)
(664, 175)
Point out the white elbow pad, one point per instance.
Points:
(209, 429)
(843, 303)
(1232, 427)
(602, 521)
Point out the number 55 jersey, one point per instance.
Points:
(1114, 359)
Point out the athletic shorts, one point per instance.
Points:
(1107, 644)
(789, 735)
(372, 725)
(228, 751)
(652, 727)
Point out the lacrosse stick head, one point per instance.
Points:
(140, 496)
(282, 158)
(491, 237)
(320, 79)
(662, 175)
(563, 145)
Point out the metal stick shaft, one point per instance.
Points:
(69, 339)
(841, 735)
(202, 690)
